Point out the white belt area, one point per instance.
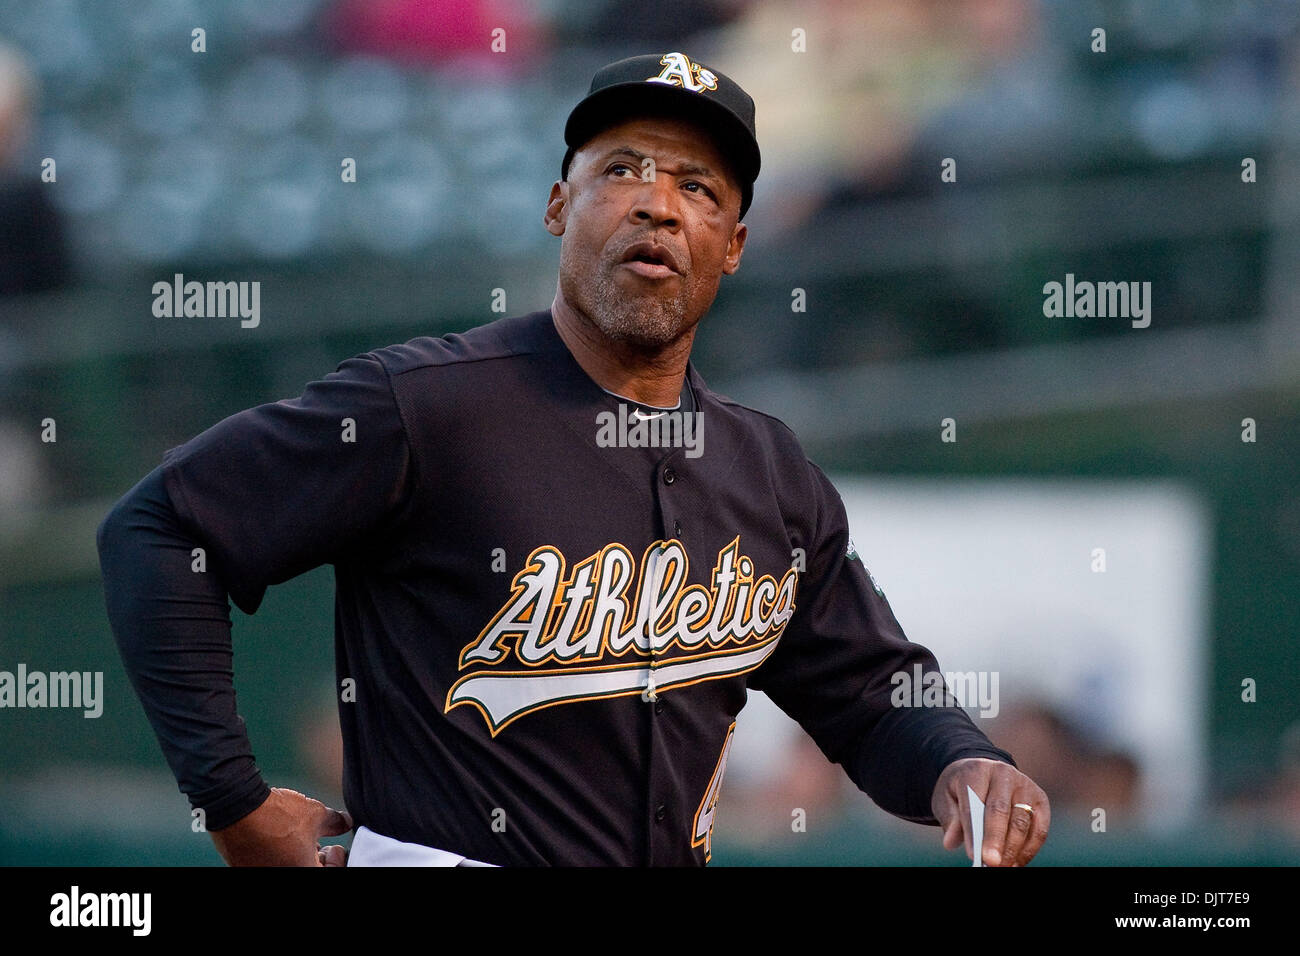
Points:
(373, 849)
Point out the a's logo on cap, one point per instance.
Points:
(679, 70)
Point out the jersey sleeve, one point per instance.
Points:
(282, 488)
(172, 628)
(832, 673)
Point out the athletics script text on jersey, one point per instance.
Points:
(611, 626)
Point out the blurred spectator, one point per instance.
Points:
(844, 85)
(1285, 803)
(773, 770)
(22, 479)
(798, 788)
(1268, 809)
(1079, 774)
(32, 253)
(440, 33)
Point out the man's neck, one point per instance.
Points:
(649, 377)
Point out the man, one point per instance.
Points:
(561, 559)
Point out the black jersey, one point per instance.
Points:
(550, 602)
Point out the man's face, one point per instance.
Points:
(651, 188)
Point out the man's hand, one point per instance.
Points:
(1012, 834)
(284, 831)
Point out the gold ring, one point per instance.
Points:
(1022, 806)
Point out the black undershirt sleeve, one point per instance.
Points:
(172, 627)
(924, 740)
(268, 493)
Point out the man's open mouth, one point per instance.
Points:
(651, 260)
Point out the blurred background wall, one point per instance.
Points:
(877, 299)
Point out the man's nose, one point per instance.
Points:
(656, 203)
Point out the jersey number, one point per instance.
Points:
(708, 806)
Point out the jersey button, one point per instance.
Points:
(669, 476)
(659, 707)
(661, 811)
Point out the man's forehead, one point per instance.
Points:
(663, 139)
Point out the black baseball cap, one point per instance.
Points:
(672, 84)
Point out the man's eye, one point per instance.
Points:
(700, 187)
(617, 166)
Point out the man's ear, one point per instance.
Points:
(734, 250)
(557, 208)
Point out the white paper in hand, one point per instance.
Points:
(976, 827)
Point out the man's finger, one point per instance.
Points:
(1038, 832)
(1019, 825)
(333, 855)
(947, 811)
(951, 821)
(997, 815)
(952, 835)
